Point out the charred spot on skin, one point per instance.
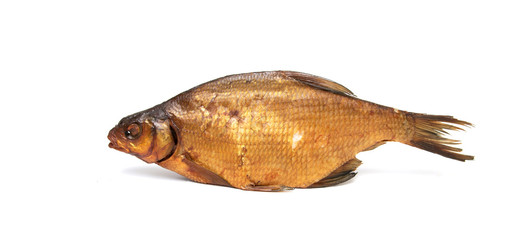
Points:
(212, 108)
(193, 154)
(242, 156)
(236, 115)
(233, 114)
(271, 176)
(252, 181)
(234, 118)
(258, 97)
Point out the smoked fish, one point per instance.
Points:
(273, 131)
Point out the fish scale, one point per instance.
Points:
(267, 131)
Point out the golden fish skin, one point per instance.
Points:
(271, 131)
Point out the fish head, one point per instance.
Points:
(149, 138)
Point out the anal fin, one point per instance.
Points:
(376, 145)
(340, 175)
(267, 188)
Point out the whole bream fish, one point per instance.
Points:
(272, 131)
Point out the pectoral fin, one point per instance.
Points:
(206, 175)
(183, 165)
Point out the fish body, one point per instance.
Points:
(271, 131)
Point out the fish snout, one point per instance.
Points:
(113, 140)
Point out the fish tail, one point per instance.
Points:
(429, 132)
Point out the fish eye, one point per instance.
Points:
(133, 131)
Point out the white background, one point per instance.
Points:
(70, 70)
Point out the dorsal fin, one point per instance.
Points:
(319, 82)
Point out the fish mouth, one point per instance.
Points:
(113, 146)
(114, 143)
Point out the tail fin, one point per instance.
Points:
(429, 131)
